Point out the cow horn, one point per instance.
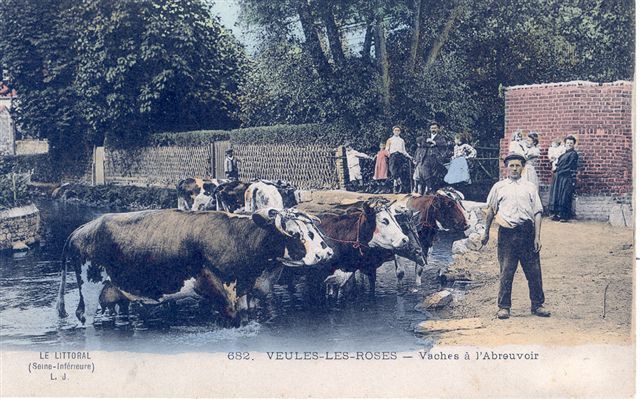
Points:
(281, 226)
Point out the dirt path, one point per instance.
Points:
(579, 259)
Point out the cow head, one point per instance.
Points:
(450, 214)
(387, 233)
(408, 221)
(304, 244)
(203, 201)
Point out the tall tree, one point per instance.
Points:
(91, 69)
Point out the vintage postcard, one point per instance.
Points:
(317, 198)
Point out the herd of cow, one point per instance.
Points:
(229, 241)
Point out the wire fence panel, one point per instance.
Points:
(160, 166)
(305, 166)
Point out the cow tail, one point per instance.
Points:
(62, 313)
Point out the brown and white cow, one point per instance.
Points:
(150, 255)
(359, 237)
(210, 194)
(269, 194)
(440, 211)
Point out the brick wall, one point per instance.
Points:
(599, 115)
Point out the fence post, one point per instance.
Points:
(212, 159)
(98, 166)
(341, 167)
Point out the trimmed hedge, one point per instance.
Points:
(195, 137)
(278, 134)
(290, 134)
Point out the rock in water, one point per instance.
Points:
(459, 247)
(20, 246)
(454, 275)
(431, 326)
(436, 301)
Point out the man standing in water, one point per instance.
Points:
(516, 206)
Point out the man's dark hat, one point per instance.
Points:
(513, 155)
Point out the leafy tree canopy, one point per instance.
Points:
(382, 62)
(94, 69)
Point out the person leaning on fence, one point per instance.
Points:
(353, 163)
(230, 165)
(397, 152)
(515, 204)
(459, 166)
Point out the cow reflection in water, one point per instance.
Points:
(152, 256)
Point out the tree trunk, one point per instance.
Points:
(312, 41)
(333, 34)
(383, 65)
(366, 47)
(442, 37)
(415, 34)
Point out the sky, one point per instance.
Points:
(229, 13)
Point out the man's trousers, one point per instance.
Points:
(517, 245)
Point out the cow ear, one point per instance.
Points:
(264, 217)
(367, 208)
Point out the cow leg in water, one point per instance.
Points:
(400, 273)
(263, 289)
(315, 287)
(222, 296)
(80, 308)
(371, 275)
(419, 270)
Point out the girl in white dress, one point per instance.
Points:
(517, 145)
(532, 153)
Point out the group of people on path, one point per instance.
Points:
(564, 165)
(430, 172)
(514, 203)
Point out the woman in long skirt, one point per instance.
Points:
(564, 181)
(459, 166)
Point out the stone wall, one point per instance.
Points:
(19, 225)
(32, 147)
(7, 129)
(600, 116)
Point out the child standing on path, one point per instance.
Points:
(230, 165)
